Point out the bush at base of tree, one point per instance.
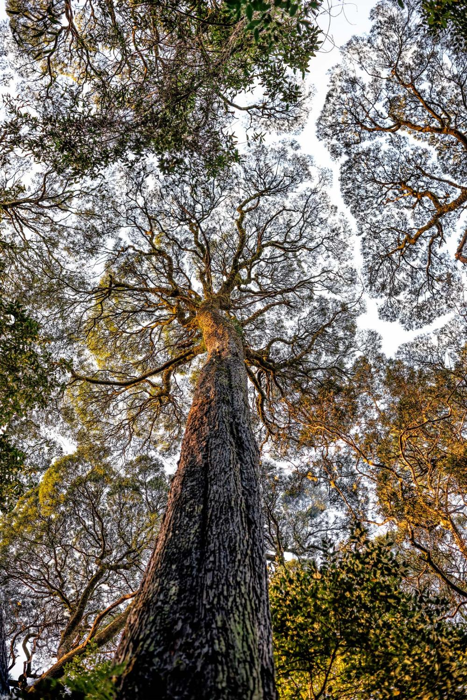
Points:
(81, 682)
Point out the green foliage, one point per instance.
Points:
(97, 683)
(164, 77)
(27, 379)
(444, 14)
(266, 19)
(87, 677)
(11, 471)
(447, 14)
(348, 628)
(25, 365)
(80, 682)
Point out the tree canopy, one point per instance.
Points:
(395, 112)
(117, 79)
(255, 241)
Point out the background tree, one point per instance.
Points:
(415, 453)
(348, 628)
(29, 373)
(118, 79)
(396, 113)
(398, 426)
(72, 556)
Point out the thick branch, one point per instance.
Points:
(175, 361)
(77, 616)
(100, 639)
(427, 557)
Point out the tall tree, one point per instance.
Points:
(415, 453)
(211, 266)
(396, 115)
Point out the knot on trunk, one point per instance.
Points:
(220, 334)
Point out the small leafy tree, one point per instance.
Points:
(85, 678)
(349, 628)
(72, 555)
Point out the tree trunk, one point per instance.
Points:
(201, 625)
(4, 687)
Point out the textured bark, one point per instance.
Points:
(201, 627)
(4, 688)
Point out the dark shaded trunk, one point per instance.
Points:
(4, 688)
(201, 626)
